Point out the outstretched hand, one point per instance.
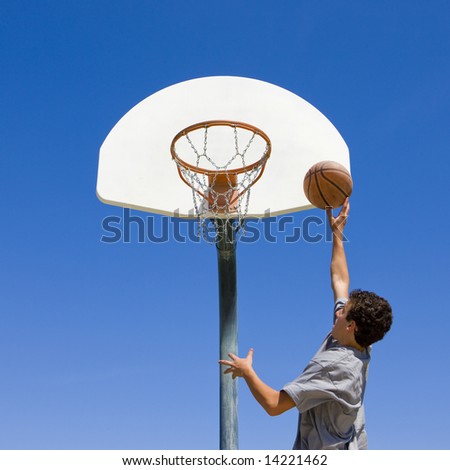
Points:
(238, 367)
(337, 223)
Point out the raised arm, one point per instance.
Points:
(340, 278)
(273, 401)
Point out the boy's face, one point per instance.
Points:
(343, 330)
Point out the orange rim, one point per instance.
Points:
(236, 171)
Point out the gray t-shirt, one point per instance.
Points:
(329, 396)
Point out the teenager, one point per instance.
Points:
(329, 394)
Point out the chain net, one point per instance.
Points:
(221, 186)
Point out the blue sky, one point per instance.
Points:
(115, 346)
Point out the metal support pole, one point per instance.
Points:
(226, 255)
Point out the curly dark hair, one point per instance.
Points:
(372, 315)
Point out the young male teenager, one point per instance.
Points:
(329, 393)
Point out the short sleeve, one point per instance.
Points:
(312, 388)
(329, 377)
(340, 302)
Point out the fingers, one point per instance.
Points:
(329, 211)
(226, 363)
(343, 214)
(236, 358)
(237, 365)
(232, 371)
(345, 207)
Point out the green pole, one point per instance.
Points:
(226, 255)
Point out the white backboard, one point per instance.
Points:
(136, 169)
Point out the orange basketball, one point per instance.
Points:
(327, 183)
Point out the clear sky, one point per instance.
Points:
(115, 346)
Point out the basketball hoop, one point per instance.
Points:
(221, 177)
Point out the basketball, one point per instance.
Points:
(327, 183)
